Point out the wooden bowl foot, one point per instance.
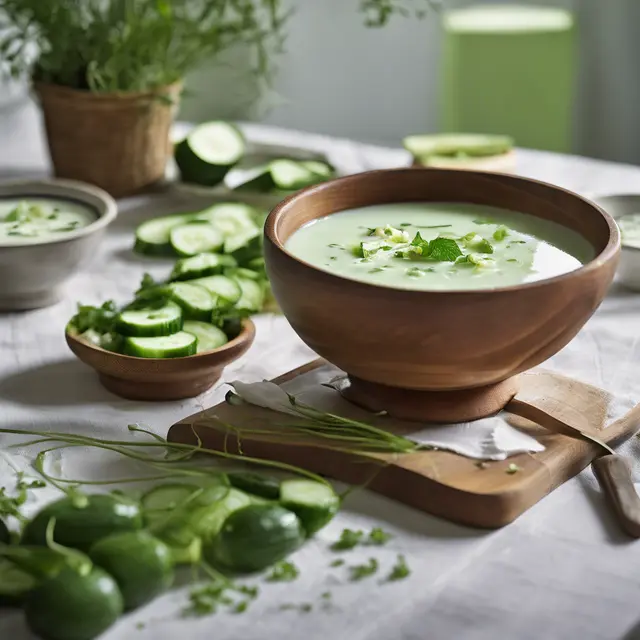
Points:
(158, 391)
(431, 406)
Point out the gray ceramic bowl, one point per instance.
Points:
(32, 275)
(617, 206)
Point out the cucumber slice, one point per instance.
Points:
(313, 502)
(241, 272)
(207, 521)
(209, 337)
(196, 302)
(207, 154)
(321, 169)
(230, 218)
(167, 497)
(162, 321)
(178, 345)
(286, 175)
(244, 247)
(201, 265)
(227, 288)
(195, 237)
(452, 144)
(152, 237)
(256, 484)
(252, 298)
(255, 537)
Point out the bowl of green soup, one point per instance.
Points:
(625, 209)
(48, 229)
(434, 288)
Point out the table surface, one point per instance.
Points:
(561, 571)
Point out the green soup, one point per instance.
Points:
(444, 246)
(38, 219)
(630, 229)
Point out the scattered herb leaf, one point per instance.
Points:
(484, 221)
(405, 224)
(283, 572)
(376, 270)
(378, 536)
(348, 540)
(326, 595)
(443, 250)
(339, 562)
(433, 226)
(400, 570)
(361, 571)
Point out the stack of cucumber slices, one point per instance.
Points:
(219, 280)
(82, 561)
(211, 150)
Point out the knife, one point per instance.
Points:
(612, 471)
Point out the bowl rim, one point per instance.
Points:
(608, 253)
(620, 196)
(80, 192)
(248, 333)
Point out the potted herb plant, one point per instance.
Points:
(108, 73)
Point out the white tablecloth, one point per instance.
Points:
(562, 571)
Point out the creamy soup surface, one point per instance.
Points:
(439, 246)
(38, 219)
(630, 229)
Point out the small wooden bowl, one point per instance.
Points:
(437, 355)
(157, 378)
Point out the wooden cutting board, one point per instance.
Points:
(441, 483)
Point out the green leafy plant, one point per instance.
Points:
(139, 45)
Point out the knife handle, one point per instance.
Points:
(614, 475)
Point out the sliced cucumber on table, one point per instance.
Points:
(210, 150)
(152, 322)
(195, 237)
(196, 302)
(209, 337)
(229, 289)
(201, 265)
(252, 298)
(244, 247)
(452, 144)
(313, 502)
(256, 484)
(177, 345)
(230, 218)
(153, 236)
(286, 175)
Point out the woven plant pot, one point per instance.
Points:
(119, 142)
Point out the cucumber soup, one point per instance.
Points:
(439, 246)
(41, 219)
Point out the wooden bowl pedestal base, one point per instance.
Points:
(462, 405)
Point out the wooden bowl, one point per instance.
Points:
(158, 378)
(437, 355)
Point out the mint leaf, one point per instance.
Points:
(100, 319)
(443, 250)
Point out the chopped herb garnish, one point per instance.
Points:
(140, 625)
(513, 468)
(326, 595)
(400, 570)
(333, 245)
(252, 592)
(305, 607)
(484, 221)
(405, 224)
(339, 562)
(361, 571)
(52, 216)
(333, 258)
(511, 260)
(348, 540)
(283, 572)
(241, 607)
(443, 250)
(376, 270)
(433, 226)
(378, 536)
(516, 242)
(500, 233)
